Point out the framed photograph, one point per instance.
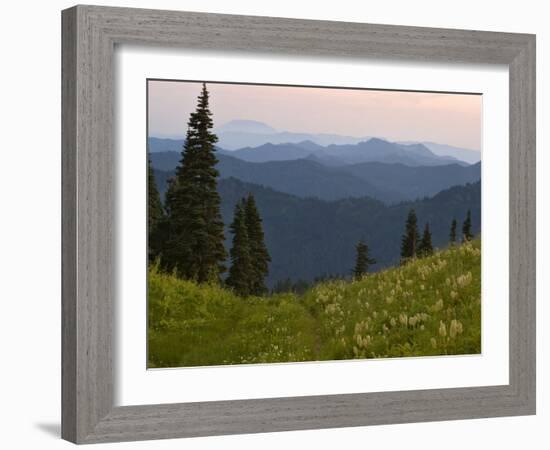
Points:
(279, 224)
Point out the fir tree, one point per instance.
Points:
(362, 260)
(195, 243)
(452, 234)
(467, 228)
(240, 253)
(258, 250)
(425, 247)
(155, 215)
(409, 241)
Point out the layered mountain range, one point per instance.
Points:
(310, 177)
(317, 201)
(239, 134)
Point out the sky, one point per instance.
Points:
(452, 119)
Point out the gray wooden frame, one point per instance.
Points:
(89, 36)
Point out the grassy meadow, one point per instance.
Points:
(430, 306)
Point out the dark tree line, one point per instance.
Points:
(412, 246)
(466, 229)
(452, 234)
(155, 215)
(425, 247)
(187, 235)
(409, 241)
(249, 256)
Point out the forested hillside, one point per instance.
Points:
(308, 238)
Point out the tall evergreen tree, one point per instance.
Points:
(467, 228)
(258, 250)
(155, 214)
(195, 245)
(452, 234)
(425, 247)
(240, 271)
(362, 260)
(409, 241)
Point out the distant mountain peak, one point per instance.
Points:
(467, 155)
(306, 143)
(376, 140)
(246, 126)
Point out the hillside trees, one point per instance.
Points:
(155, 216)
(195, 242)
(425, 247)
(452, 234)
(467, 228)
(362, 260)
(249, 256)
(412, 245)
(258, 250)
(409, 241)
(241, 261)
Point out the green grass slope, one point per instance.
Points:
(430, 306)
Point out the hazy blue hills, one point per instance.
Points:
(414, 182)
(156, 145)
(238, 134)
(463, 154)
(251, 133)
(308, 177)
(372, 150)
(310, 237)
(303, 178)
(276, 152)
(384, 151)
(242, 134)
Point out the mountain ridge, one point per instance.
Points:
(308, 238)
(464, 154)
(373, 149)
(427, 149)
(389, 183)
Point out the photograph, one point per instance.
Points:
(291, 224)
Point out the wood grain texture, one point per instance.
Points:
(89, 36)
(88, 209)
(68, 226)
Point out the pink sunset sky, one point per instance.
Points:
(452, 119)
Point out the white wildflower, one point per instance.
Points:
(442, 329)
